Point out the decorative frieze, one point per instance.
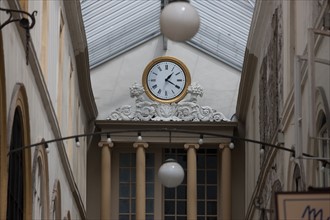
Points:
(185, 110)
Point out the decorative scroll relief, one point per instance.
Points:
(185, 110)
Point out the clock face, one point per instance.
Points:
(166, 79)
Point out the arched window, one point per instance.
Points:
(40, 185)
(323, 152)
(297, 181)
(15, 179)
(56, 201)
(19, 188)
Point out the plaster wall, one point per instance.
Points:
(297, 17)
(112, 80)
(16, 71)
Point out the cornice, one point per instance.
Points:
(79, 43)
(246, 83)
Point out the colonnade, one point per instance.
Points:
(225, 185)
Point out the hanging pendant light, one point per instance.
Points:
(179, 21)
(171, 173)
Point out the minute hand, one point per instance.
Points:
(176, 86)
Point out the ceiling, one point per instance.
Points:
(116, 26)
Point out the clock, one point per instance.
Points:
(166, 79)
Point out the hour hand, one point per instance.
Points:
(167, 78)
(176, 86)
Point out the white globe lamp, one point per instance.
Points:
(179, 21)
(171, 173)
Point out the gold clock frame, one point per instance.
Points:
(166, 59)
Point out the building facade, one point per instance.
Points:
(284, 100)
(240, 136)
(122, 175)
(45, 95)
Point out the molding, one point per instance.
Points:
(246, 84)
(288, 110)
(267, 165)
(185, 110)
(3, 136)
(41, 154)
(79, 43)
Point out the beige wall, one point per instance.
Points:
(68, 163)
(296, 17)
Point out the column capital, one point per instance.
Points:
(105, 144)
(224, 145)
(140, 144)
(195, 146)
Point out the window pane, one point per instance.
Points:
(133, 189)
(182, 160)
(133, 206)
(124, 205)
(211, 162)
(169, 207)
(169, 218)
(150, 160)
(124, 175)
(212, 192)
(200, 161)
(150, 174)
(123, 217)
(181, 191)
(211, 177)
(124, 160)
(201, 208)
(201, 192)
(150, 206)
(133, 174)
(124, 190)
(169, 193)
(211, 208)
(181, 207)
(200, 176)
(150, 190)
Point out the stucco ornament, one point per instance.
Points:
(185, 110)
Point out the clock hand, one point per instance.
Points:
(167, 78)
(176, 86)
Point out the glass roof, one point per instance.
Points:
(115, 26)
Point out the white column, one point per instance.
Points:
(105, 179)
(140, 180)
(191, 181)
(225, 201)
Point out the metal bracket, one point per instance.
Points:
(23, 22)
